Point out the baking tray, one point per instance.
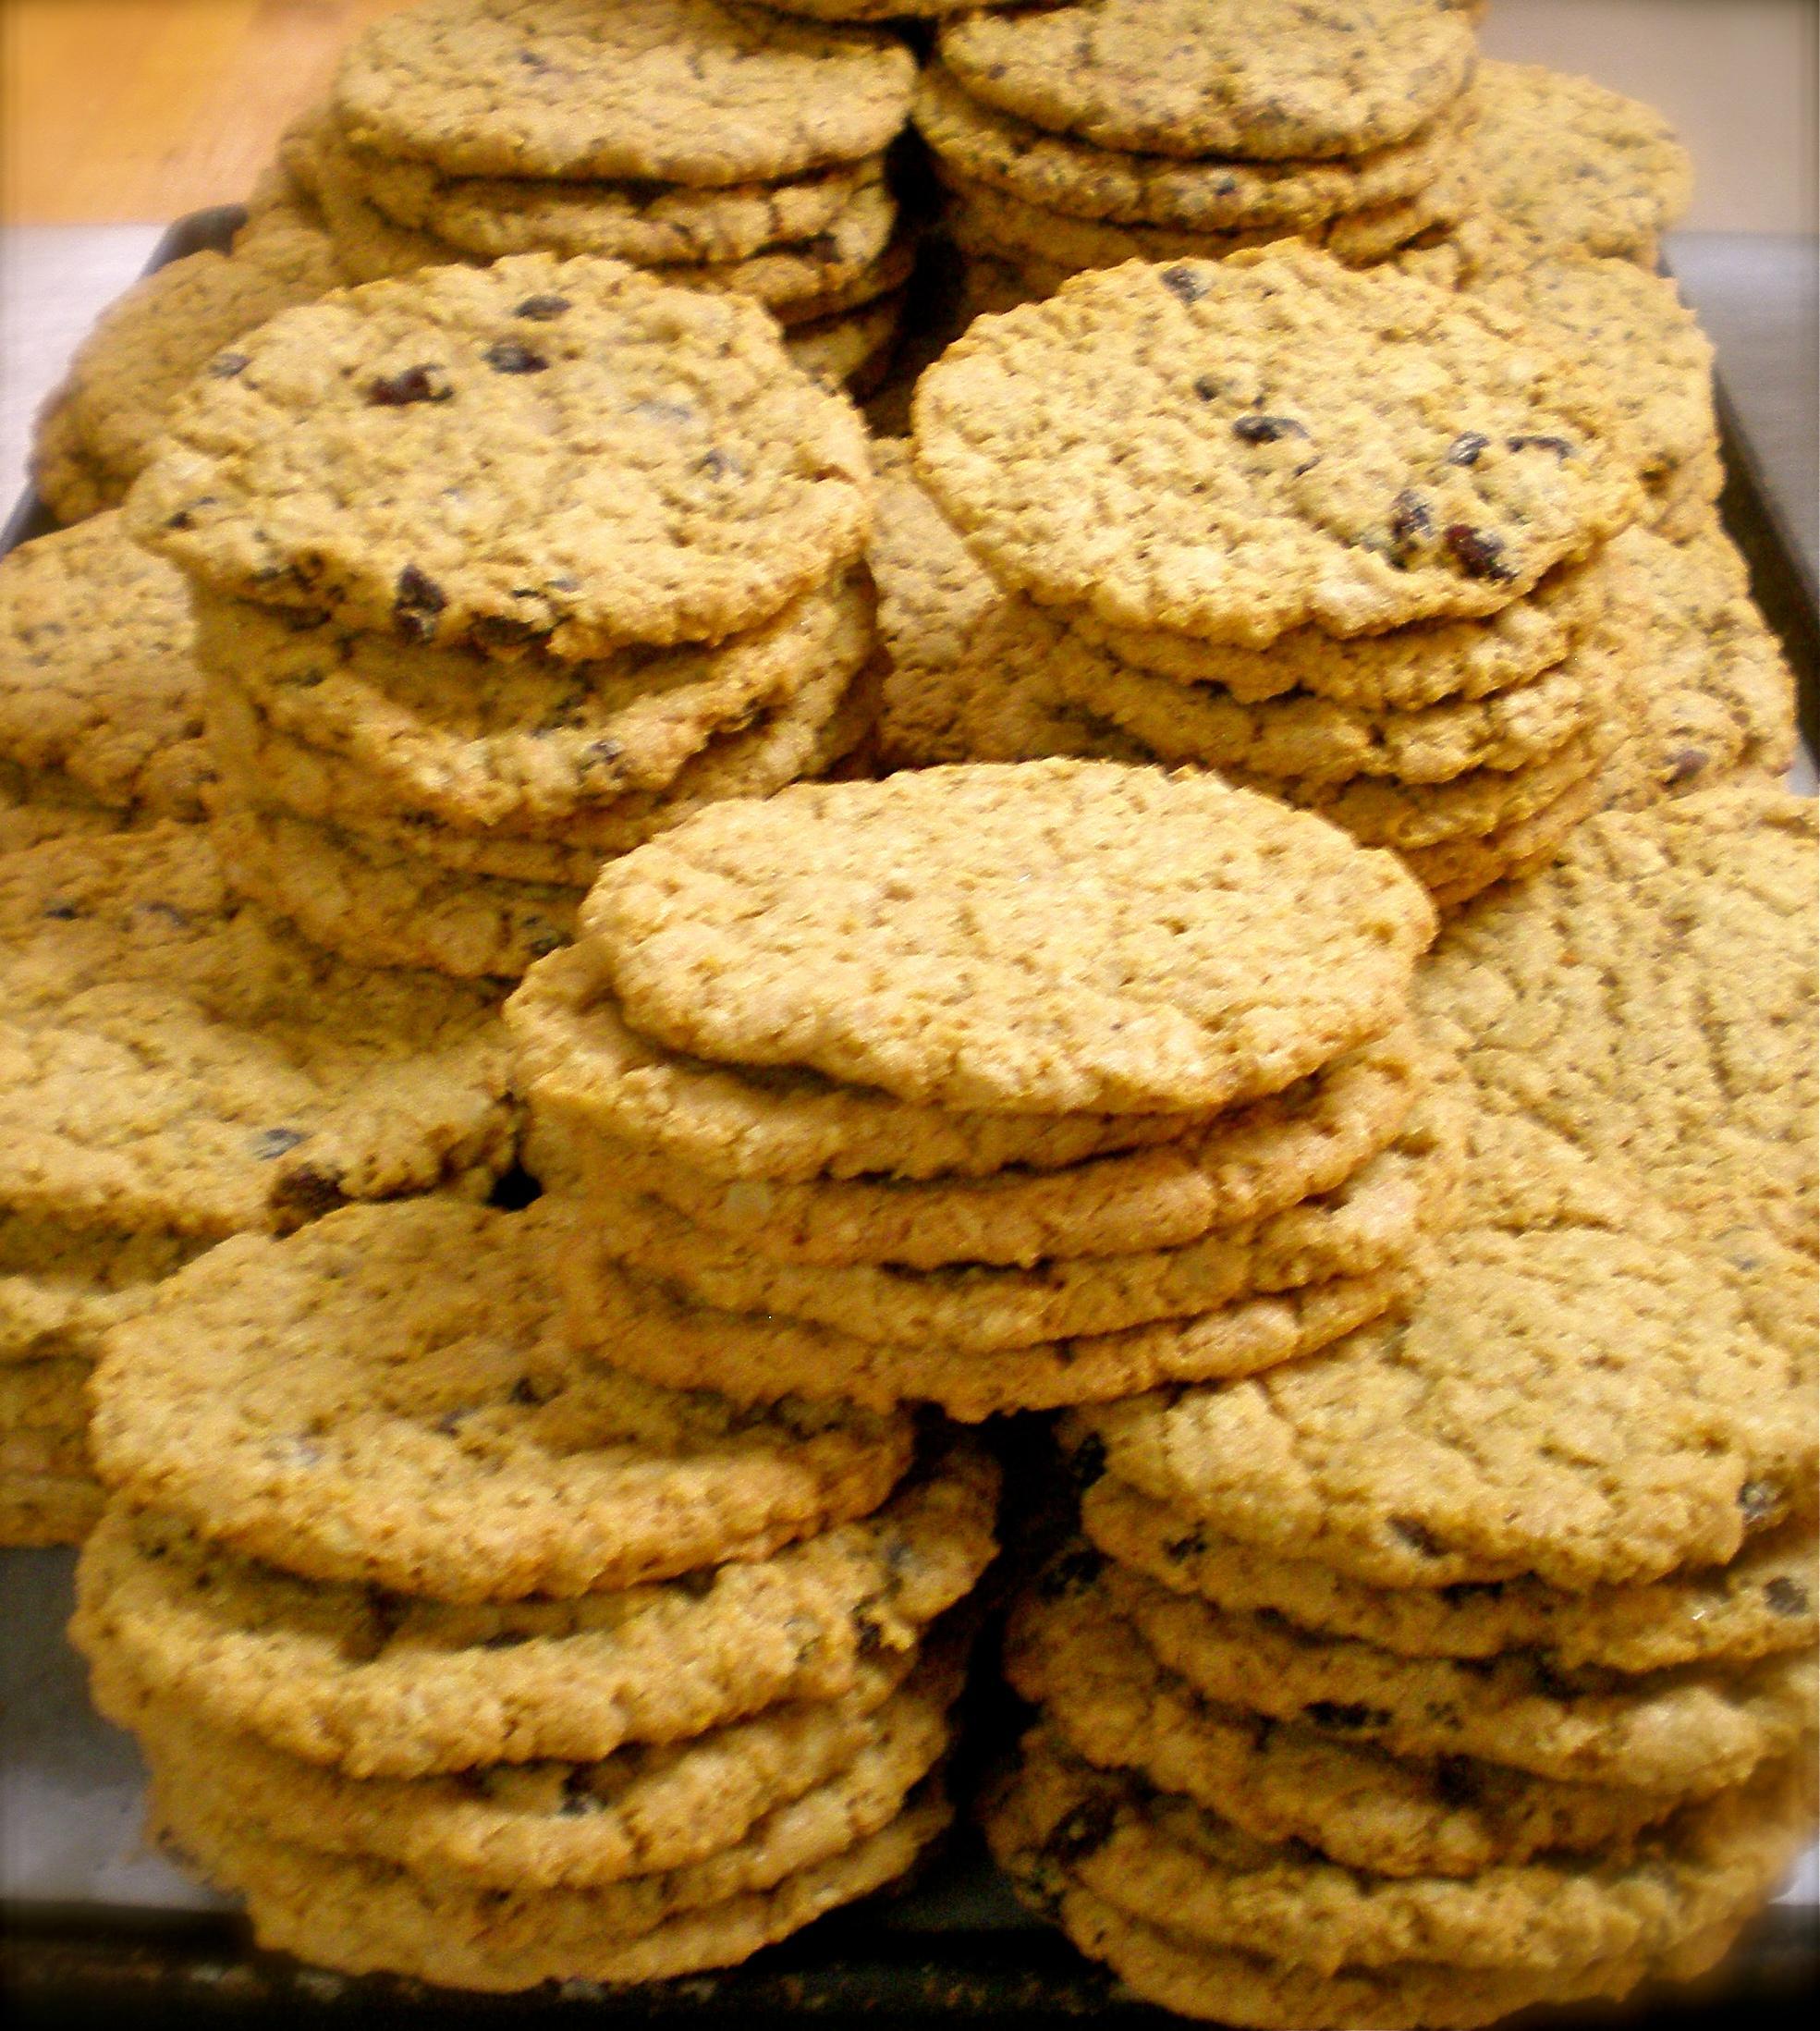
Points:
(953, 1948)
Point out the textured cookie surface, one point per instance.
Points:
(62, 1286)
(1568, 166)
(1268, 441)
(380, 1685)
(559, 452)
(1548, 1408)
(387, 1396)
(1265, 78)
(1098, 938)
(683, 91)
(99, 682)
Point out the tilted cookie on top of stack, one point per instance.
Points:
(1000, 1087)
(1348, 544)
(1102, 131)
(723, 147)
(498, 571)
(180, 1071)
(464, 1660)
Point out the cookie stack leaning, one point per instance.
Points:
(461, 1660)
(1102, 131)
(722, 147)
(995, 1087)
(495, 573)
(1350, 545)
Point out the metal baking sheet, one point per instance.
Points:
(96, 1927)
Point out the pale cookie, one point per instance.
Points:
(851, 349)
(1698, 1067)
(687, 91)
(386, 1397)
(98, 689)
(1718, 698)
(1265, 78)
(655, 1330)
(576, 1056)
(184, 1066)
(1080, 936)
(1682, 502)
(62, 1286)
(1568, 167)
(1209, 194)
(1169, 1863)
(375, 904)
(1578, 1396)
(1762, 1602)
(1242, 483)
(548, 1825)
(1371, 1221)
(1455, 871)
(364, 1917)
(1403, 670)
(151, 344)
(44, 1509)
(524, 743)
(632, 463)
(1633, 326)
(1683, 1730)
(380, 1685)
(1239, 1167)
(1104, 1690)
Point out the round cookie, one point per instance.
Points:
(1239, 1167)
(687, 91)
(577, 1056)
(1578, 1397)
(1169, 1863)
(633, 463)
(99, 686)
(62, 1286)
(386, 1397)
(1476, 462)
(1371, 1221)
(1269, 79)
(189, 1069)
(1080, 936)
(1566, 166)
(1403, 670)
(1216, 194)
(1666, 1731)
(364, 1917)
(1107, 1695)
(1763, 1601)
(379, 1685)
(520, 745)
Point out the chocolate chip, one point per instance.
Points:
(421, 384)
(1786, 1597)
(225, 365)
(416, 604)
(1336, 1714)
(1081, 1833)
(1266, 430)
(1477, 552)
(1466, 447)
(1183, 284)
(1417, 1537)
(1760, 1500)
(507, 356)
(1558, 446)
(274, 1143)
(542, 309)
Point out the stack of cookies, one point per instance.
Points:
(999, 1087)
(1464, 1667)
(179, 1070)
(721, 146)
(1102, 131)
(462, 1659)
(497, 571)
(1348, 544)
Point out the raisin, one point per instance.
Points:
(415, 605)
(1558, 446)
(507, 356)
(1786, 1597)
(274, 1143)
(1266, 430)
(542, 309)
(1183, 284)
(1411, 520)
(1466, 447)
(422, 383)
(225, 365)
(1477, 552)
